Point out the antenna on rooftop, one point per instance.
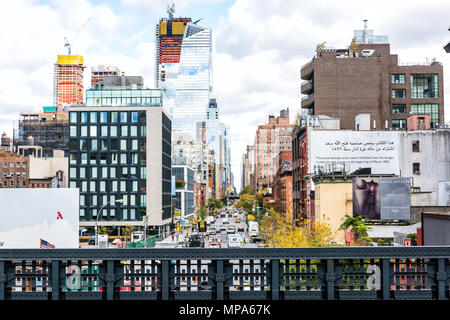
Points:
(67, 44)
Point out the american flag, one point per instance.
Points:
(46, 245)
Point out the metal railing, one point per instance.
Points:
(328, 273)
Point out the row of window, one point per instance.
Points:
(102, 158)
(11, 164)
(125, 131)
(94, 116)
(106, 145)
(107, 172)
(99, 200)
(117, 214)
(109, 186)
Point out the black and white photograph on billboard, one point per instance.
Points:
(444, 193)
(395, 198)
(366, 197)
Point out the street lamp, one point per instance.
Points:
(98, 215)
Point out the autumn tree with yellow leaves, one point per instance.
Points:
(280, 233)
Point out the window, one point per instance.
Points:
(93, 158)
(123, 117)
(94, 145)
(133, 131)
(94, 172)
(415, 146)
(83, 117)
(72, 173)
(82, 172)
(416, 168)
(93, 117)
(124, 131)
(73, 158)
(103, 144)
(134, 116)
(112, 172)
(84, 158)
(114, 186)
(83, 144)
(93, 131)
(103, 117)
(102, 186)
(424, 86)
(123, 144)
(73, 131)
(123, 158)
(113, 131)
(84, 131)
(104, 172)
(398, 93)
(92, 186)
(114, 158)
(431, 108)
(114, 117)
(104, 131)
(73, 117)
(399, 124)
(398, 78)
(123, 186)
(399, 108)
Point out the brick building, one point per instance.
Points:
(343, 83)
(282, 185)
(271, 139)
(14, 170)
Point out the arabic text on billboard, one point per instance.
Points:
(355, 149)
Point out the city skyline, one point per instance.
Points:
(258, 48)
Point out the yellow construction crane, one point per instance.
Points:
(67, 44)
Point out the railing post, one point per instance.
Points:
(220, 279)
(110, 278)
(386, 281)
(55, 280)
(275, 279)
(2, 280)
(165, 280)
(441, 279)
(331, 278)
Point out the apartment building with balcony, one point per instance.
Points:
(342, 83)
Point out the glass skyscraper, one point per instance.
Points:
(186, 79)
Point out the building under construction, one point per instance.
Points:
(99, 72)
(49, 129)
(169, 37)
(68, 80)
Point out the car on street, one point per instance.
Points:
(234, 240)
(231, 229)
(212, 230)
(223, 228)
(237, 220)
(241, 228)
(225, 221)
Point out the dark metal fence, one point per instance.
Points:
(370, 273)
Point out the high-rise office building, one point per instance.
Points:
(68, 80)
(183, 70)
(366, 36)
(120, 149)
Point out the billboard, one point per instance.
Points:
(395, 198)
(29, 215)
(378, 150)
(382, 198)
(444, 193)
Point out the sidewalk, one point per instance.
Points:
(169, 240)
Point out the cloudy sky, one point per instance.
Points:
(259, 47)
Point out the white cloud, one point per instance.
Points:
(259, 47)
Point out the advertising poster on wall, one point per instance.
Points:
(385, 198)
(366, 198)
(48, 218)
(353, 150)
(395, 198)
(444, 193)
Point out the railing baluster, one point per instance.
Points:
(386, 281)
(165, 280)
(2, 280)
(55, 280)
(275, 279)
(220, 279)
(330, 277)
(110, 278)
(441, 278)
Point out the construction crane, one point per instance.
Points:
(171, 10)
(67, 44)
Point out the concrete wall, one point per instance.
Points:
(333, 201)
(42, 168)
(434, 159)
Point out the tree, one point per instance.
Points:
(280, 233)
(353, 45)
(103, 230)
(358, 227)
(247, 190)
(202, 212)
(128, 230)
(213, 203)
(320, 47)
